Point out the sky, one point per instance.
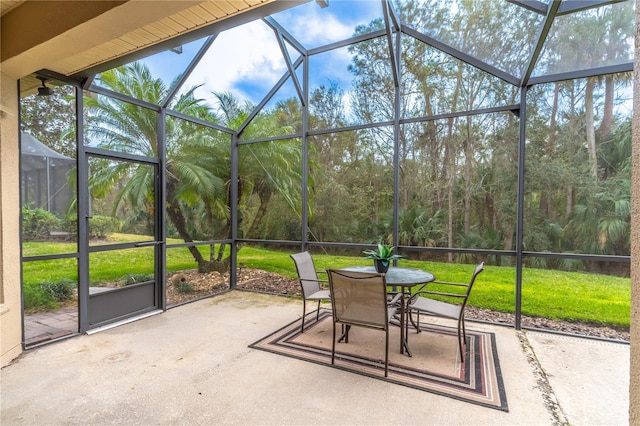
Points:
(247, 61)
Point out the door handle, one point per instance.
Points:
(148, 243)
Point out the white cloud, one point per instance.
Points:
(247, 60)
(245, 55)
(318, 28)
(314, 26)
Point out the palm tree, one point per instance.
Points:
(266, 168)
(419, 227)
(197, 160)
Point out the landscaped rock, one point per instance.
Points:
(269, 282)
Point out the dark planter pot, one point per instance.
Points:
(382, 266)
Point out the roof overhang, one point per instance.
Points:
(79, 38)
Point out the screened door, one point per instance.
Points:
(123, 244)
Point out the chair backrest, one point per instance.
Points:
(306, 272)
(359, 298)
(477, 271)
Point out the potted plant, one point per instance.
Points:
(382, 257)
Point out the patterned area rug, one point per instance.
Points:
(434, 367)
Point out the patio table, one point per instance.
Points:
(406, 279)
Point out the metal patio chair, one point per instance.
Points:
(360, 299)
(426, 305)
(309, 283)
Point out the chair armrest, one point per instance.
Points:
(323, 283)
(312, 280)
(443, 293)
(450, 283)
(436, 293)
(394, 301)
(442, 283)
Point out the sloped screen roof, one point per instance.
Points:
(521, 42)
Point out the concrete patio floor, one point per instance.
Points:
(192, 365)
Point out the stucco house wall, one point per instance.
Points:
(634, 379)
(10, 302)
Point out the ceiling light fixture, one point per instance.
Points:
(44, 90)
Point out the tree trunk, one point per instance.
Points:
(507, 244)
(177, 218)
(434, 155)
(590, 128)
(551, 145)
(545, 205)
(265, 195)
(570, 198)
(468, 155)
(607, 114)
(449, 174)
(450, 222)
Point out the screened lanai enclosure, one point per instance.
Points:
(45, 176)
(458, 131)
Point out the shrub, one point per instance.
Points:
(60, 291)
(47, 295)
(38, 223)
(102, 226)
(35, 299)
(70, 224)
(183, 287)
(137, 278)
(181, 283)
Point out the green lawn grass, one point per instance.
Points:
(572, 296)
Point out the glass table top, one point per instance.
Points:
(398, 275)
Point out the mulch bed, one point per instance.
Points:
(194, 285)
